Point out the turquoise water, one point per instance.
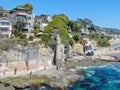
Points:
(99, 78)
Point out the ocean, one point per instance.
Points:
(105, 77)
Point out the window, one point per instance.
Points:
(27, 25)
(21, 17)
(5, 23)
(21, 11)
(3, 30)
(29, 18)
(38, 23)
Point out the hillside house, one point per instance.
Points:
(28, 19)
(5, 27)
(84, 31)
(43, 21)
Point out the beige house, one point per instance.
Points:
(28, 19)
(5, 27)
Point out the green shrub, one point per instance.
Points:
(22, 36)
(46, 38)
(103, 42)
(36, 31)
(19, 34)
(71, 41)
(76, 36)
(31, 37)
(25, 43)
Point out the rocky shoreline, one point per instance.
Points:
(59, 82)
(52, 78)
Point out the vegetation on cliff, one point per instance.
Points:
(27, 7)
(61, 22)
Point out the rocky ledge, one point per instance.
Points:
(55, 79)
(64, 81)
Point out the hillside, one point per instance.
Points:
(108, 30)
(112, 30)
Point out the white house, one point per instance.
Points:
(42, 21)
(5, 27)
(84, 31)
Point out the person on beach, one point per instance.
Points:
(44, 67)
(30, 74)
(15, 71)
(4, 72)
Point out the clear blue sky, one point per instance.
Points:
(105, 13)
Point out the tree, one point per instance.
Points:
(73, 26)
(19, 34)
(36, 29)
(19, 25)
(61, 22)
(81, 23)
(76, 36)
(88, 21)
(84, 23)
(92, 28)
(27, 7)
(2, 12)
(63, 17)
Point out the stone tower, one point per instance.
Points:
(59, 48)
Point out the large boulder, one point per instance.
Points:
(78, 48)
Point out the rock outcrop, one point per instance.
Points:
(78, 48)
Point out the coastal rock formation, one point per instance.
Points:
(78, 48)
(62, 82)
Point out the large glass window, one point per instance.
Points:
(3, 30)
(21, 17)
(22, 11)
(4, 23)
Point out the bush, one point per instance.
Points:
(31, 37)
(25, 43)
(35, 32)
(16, 33)
(71, 41)
(22, 36)
(103, 42)
(76, 36)
(92, 36)
(19, 34)
(46, 38)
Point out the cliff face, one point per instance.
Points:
(14, 51)
(14, 57)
